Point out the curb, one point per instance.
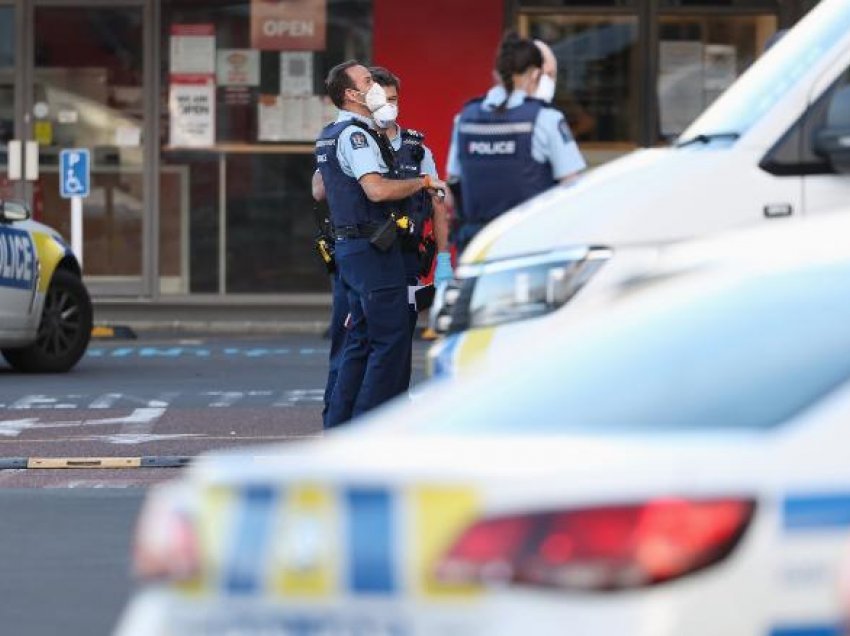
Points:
(155, 461)
(119, 332)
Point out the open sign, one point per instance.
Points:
(288, 25)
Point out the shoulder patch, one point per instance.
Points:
(415, 134)
(358, 140)
(565, 131)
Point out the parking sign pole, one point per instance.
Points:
(77, 228)
(74, 184)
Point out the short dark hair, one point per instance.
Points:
(338, 80)
(384, 77)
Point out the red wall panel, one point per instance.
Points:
(443, 51)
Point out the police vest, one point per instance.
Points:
(347, 201)
(494, 150)
(408, 165)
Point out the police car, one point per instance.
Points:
(773, 146)
(45, 310)
(673, 461)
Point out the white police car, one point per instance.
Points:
(45, 310)
(670, 462)
(773, 146)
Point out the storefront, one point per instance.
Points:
(200, 114)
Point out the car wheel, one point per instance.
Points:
(64, 332)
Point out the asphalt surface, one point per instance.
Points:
(159, 397)
(64, 558)
(65, 534)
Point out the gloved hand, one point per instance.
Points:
(443, 273)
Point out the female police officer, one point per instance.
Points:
(508, 147)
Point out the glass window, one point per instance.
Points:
(88, 90)
(699, 58)
(7, 74)
(238, 166)
(713, 4)
(598, 72)
(748, 357)
(775, 73)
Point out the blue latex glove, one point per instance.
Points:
(443, 273)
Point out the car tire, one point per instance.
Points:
(64, 331)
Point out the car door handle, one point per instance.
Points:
(777, 210)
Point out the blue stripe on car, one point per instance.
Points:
(253, 524)
(370, 536)
(816, 511)
(807, 630)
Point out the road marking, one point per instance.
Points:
(187, 350)
(291, 398)
(140, 421)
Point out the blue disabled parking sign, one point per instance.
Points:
(74, 172)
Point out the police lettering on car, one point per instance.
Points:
(17, 259)
(370, 280)
(508, 146)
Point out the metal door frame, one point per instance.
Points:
(148, 282)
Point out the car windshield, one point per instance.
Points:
(764, 84)
(749, 357)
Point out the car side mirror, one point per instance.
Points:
(13, 211)
(833, 140)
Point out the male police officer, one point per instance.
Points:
(371, 270)
(412, 158)
(508, 147)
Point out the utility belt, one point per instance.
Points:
(381, 235)
(359, 231)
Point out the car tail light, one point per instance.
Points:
(166, 542)
(603, 548)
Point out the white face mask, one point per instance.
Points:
(386, 115)
(376, 97)
(545, 88)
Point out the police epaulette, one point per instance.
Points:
(409, 132)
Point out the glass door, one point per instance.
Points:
(85, 88)
(11, 183)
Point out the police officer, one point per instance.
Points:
(508, 146)
(412, 158)
(369, 263)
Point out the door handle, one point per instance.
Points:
(14, 166)
(22, 160)
(31, 164)
(775, 210)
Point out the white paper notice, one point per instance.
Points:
(680, 84)
(192, 110)
(270, 118)
(720, 66)
(296, 73)
(290, 118)
(128, 136)
(238, 67)
(192, 49)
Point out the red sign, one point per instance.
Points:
(288, 25)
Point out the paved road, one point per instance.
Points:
(159, 397)
(64, 557)
(65, 533)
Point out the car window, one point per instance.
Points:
(794, 153)
(749, 357)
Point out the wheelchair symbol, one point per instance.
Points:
(72, 184)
